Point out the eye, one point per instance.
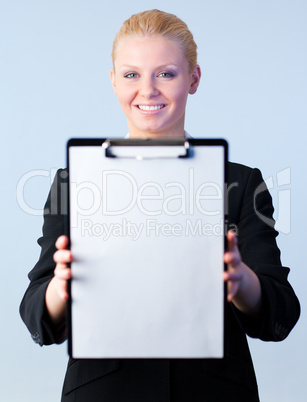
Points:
(166, 75)
(131, 75)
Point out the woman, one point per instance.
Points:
(154, 70)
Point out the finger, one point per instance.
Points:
(62, 272)
(232, 289)
(232, 258)
(65, 296)
(233, 280)
(232, 239)
(233, 276)
(62, 256)
(62, 242)
(62, 289)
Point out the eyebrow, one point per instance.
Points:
(170, 65)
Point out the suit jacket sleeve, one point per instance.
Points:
(33, 308)
(251, 210)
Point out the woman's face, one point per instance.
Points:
(151, 79)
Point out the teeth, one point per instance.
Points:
(143, 107)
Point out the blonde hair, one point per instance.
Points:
(159, 23)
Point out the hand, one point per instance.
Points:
(243, 285)
(62, 273)
(232, 258)
(56, 293)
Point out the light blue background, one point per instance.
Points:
(54, 84)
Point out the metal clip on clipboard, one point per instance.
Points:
(146, 149)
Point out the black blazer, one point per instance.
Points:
(158, 380)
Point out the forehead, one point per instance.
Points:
(148, 48)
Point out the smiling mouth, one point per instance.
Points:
(144, 107)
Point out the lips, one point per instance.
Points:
(151, 107)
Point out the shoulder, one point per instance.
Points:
(246, 190)
(241, 173)
(245, 179)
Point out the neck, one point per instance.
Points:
(153, 135)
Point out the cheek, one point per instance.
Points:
(181, 98)
(125, 95)
(123, 98)
(180, 92)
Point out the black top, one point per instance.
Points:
(228, 379)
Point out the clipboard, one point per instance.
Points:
(147, 233)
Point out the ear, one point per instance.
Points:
(112, 76)
(195, 80)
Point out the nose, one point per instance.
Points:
(148, 88)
